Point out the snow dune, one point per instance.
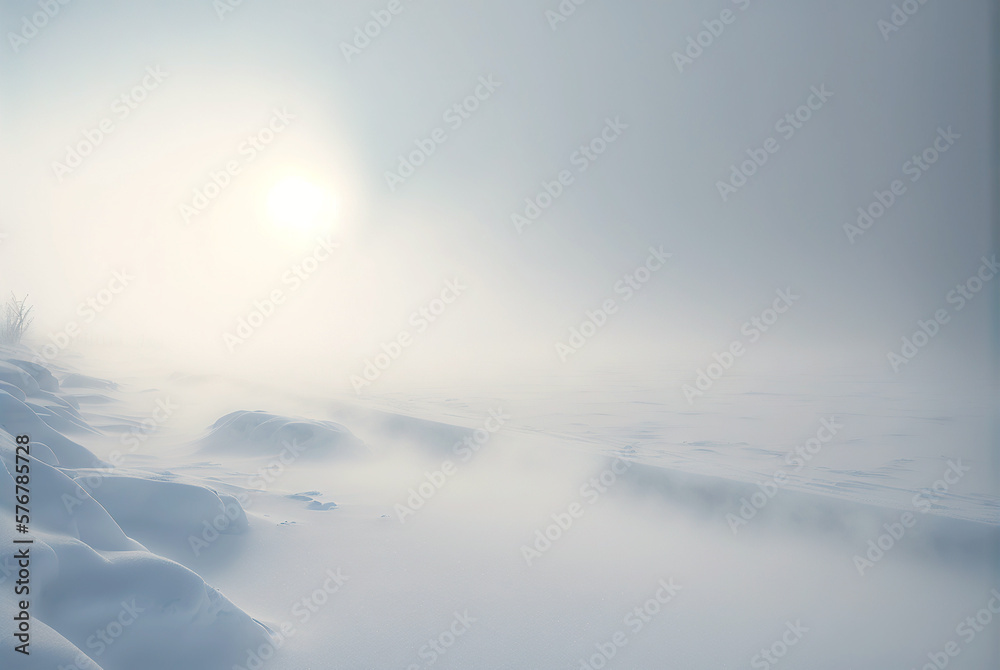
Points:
(264, 434)
(89, 580)
(370, 538)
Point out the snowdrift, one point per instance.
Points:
(89, 580)
(257, 433)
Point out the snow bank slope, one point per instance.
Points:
(97, 598)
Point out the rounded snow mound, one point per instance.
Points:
(153, 612)
(41, 374)
(99, 599)
(143, 506)
(18, 417)
(19, 377)
(89, 577)
(257, 433)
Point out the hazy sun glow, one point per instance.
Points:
(299, 204)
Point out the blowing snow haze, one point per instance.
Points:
(525, 334)
(357, 157)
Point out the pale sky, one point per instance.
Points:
(608, 68)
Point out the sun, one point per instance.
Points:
(299, 204)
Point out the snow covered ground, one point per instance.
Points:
(201, 522)
(537, 334)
